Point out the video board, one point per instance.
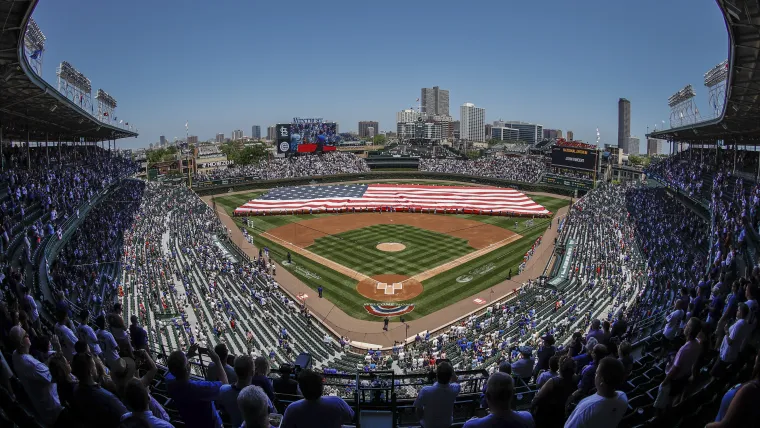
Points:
(574, 157)
(306, 135)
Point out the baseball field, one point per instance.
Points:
(406, 263)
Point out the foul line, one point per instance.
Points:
(422, 276)
(317, 258)
(462, 260)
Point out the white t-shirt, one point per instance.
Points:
(673, 322)
(597, 411)
(739, 332)
(38, 384)
(86, 333)
(438, 404)
(35, 315)
(108, 346)
(67, 338)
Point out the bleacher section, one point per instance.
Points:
(163, 253)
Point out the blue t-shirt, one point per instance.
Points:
(726, 402)
(195, 401)
(327, 412)
(513, 420)
(264, 383)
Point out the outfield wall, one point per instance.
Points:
(216, 187)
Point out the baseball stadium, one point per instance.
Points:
(411, 263)
(426, 279)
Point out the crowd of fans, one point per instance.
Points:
(331, 163)
(157, 258)
(516, 168)
(690, 177)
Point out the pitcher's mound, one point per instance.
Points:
(389, 288)
(391, 246)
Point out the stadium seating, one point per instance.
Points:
(516, 168)
(93, 237)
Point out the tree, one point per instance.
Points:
(162, 154)
(245, 155)
(379, 140)
(639, 160)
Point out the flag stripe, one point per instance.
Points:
(393, 197)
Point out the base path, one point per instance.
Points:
(316, 257)
(464, 259)
(478, 234)
(371, 332)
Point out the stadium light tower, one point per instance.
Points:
(683, 111)
(34, 46)
(74, 85)
(715, 80)
(106, 106)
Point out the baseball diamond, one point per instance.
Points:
(346, 255)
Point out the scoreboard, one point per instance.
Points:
(575, 183)
(574, 157)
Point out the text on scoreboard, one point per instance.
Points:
(574, 157)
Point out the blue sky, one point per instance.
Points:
(224, 65)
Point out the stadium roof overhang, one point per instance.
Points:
(740, 121)
(29, 106)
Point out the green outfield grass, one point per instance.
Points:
(439, 291)
(425, 249)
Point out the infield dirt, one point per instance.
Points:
(368, 288)
(478, 235)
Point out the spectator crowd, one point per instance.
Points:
(155, 317)
(332, 163)
(516, 168)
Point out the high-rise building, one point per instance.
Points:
(570, 136)
(364, 128)
(456, 129)
(447, 128)
(552, 134)
(529, 132)
(272, 133)
(624, 125)
(161, 141)
(472, 120)
(237, 135)
(256, 132)
(220, 138)
(504, 134)
(371, 132)
(192, 139)
(488, 131)
(407, 116)
(655, 146)
(435, 101)
(633, 146)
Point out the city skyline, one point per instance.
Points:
(162, 79)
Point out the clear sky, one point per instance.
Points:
(224, 64)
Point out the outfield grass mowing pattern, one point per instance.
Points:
(424, 250)
(441, 290)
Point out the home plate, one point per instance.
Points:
(479, 301)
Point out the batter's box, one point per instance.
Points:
(389, 289)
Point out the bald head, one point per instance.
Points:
(500, 390)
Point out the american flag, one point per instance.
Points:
(390, 197)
